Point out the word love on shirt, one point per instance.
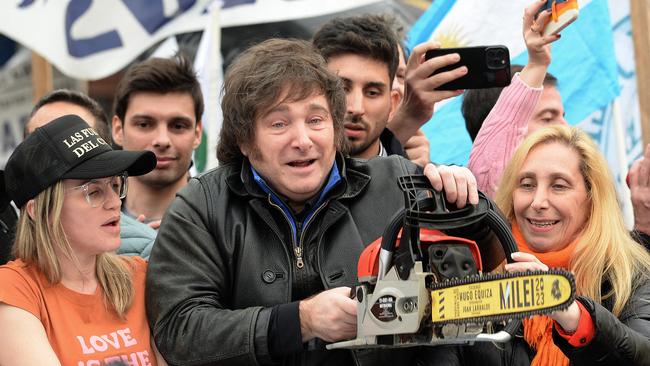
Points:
(106, 348)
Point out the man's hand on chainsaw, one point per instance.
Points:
(459, 183)
(330, 315)
(569, 318)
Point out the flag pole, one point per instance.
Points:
(42, 80)
(640, 14)
(625, 195)
(208, 65)
(215, 81)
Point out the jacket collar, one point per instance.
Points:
(240, 180)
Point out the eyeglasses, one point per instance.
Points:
(96, 191)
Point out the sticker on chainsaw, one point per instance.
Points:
(522, 294)
(384, 308)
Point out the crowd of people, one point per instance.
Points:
(118, 257)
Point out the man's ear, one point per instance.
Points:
(117, 130)
(245, 149)
(395, 99)
(30, 209)
(198, 133)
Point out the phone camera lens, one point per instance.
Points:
(495, 58)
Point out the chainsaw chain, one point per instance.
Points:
(501, 276)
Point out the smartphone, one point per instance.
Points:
(563, 13)
(487, 67)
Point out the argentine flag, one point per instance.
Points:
(583, 60)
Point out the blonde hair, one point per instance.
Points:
(605, 250)
(37, 238)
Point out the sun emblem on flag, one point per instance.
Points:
(451, 36)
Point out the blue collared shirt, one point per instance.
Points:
(332, 181)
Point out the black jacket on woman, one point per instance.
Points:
(618, 341)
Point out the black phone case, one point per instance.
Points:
(487, 67)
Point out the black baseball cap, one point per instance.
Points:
(66, 148)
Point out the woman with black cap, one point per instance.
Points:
(67, 299)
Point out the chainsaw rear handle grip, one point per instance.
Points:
(427, 206)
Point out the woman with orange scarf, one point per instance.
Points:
(560, 199)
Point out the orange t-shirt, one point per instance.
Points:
(81, 329)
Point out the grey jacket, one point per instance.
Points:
(222, 259)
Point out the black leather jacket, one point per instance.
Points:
(618, 341)
(223, 257)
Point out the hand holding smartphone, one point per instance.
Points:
(487, 67)
(563, 13)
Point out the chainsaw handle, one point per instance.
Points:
(434, 209)
(389, 238)
(436, 213)
(427, 207)
(388, 241)
(503, 232)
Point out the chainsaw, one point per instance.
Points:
(420, 285)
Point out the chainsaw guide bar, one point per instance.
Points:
(499, 297)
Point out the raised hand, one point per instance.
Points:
(419, 89)
(639, 183)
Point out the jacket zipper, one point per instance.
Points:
(298, 247)
(302, 233)
(297, 250)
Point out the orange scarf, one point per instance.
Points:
(538, 330)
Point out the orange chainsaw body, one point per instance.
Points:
(368, 266)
